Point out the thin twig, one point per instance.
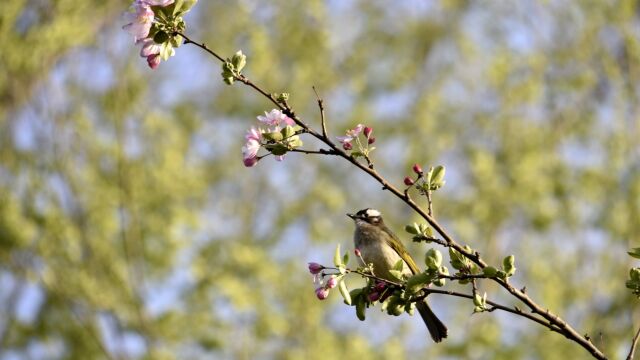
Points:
(321, 107)
(320, 152)
(429, 202)
(634, 343)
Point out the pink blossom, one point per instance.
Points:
(347, 146)
(332, 282)
(371, 140)
(254, 134)
(322, 293)
(153, 60)
(162, 3)
(417, 169)
(357, 252)
(250, 152)
(149, 47)
(140, 20)
(276, 118)
(315, 268)
(350, 136)
(373, 296)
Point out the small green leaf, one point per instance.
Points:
(433, 259)
(336, 256)
(508, 264)
(477, 300)
(398, 275)
(239, 60)
(410, 308)
(356, 154)
(361, 307)
(418, 281)
(635, 252)
(440, 282)
(411, 229)
(438, 174)
(490, 271)
(345, 258)
(160, 37)
(399, 265)
(277, 149)
(344, 291)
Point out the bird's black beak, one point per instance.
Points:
(353, 216)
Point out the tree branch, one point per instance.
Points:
(634, 343)
(553, 319)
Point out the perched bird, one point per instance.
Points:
(381, 247)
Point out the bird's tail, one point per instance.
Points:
(436, 328)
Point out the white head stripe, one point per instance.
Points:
(372, 213)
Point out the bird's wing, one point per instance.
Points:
(397, 246)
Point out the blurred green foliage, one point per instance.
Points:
(130, 229)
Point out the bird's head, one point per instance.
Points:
(367, 216)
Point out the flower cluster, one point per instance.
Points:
(322, 291)
(153, 24)
(353, 136)
(279, 137)
(432, 180)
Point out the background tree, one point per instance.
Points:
(129, 227)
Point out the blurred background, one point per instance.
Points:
(129, 228)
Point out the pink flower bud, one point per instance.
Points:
(250, 161)
(373, 296)
(153, 60)
(357, 252)
(408, 181)
(332, 282)
(371, 140)
(347, 146)
(380, 286)
(368, 131)
(417, 169)
(322, 293)
(315, 268)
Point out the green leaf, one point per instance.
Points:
(440, 282)
(398, 275)
(508, 264)
(166, 50)
(287, 131)
(411, 229)
(344, 291)
(160, 37)
(277, 149)
(177, 7)
(356, 154)
(345, 258)
(399, 265)
(419, 281)
(410, 308)
(477, 300)
(361, 307)
(272, 136)
(433, 259)
(438, 174)
(635, 252)
(336, 256)
(239, 60)
(490, 271)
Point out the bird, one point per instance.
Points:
(381, 247)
